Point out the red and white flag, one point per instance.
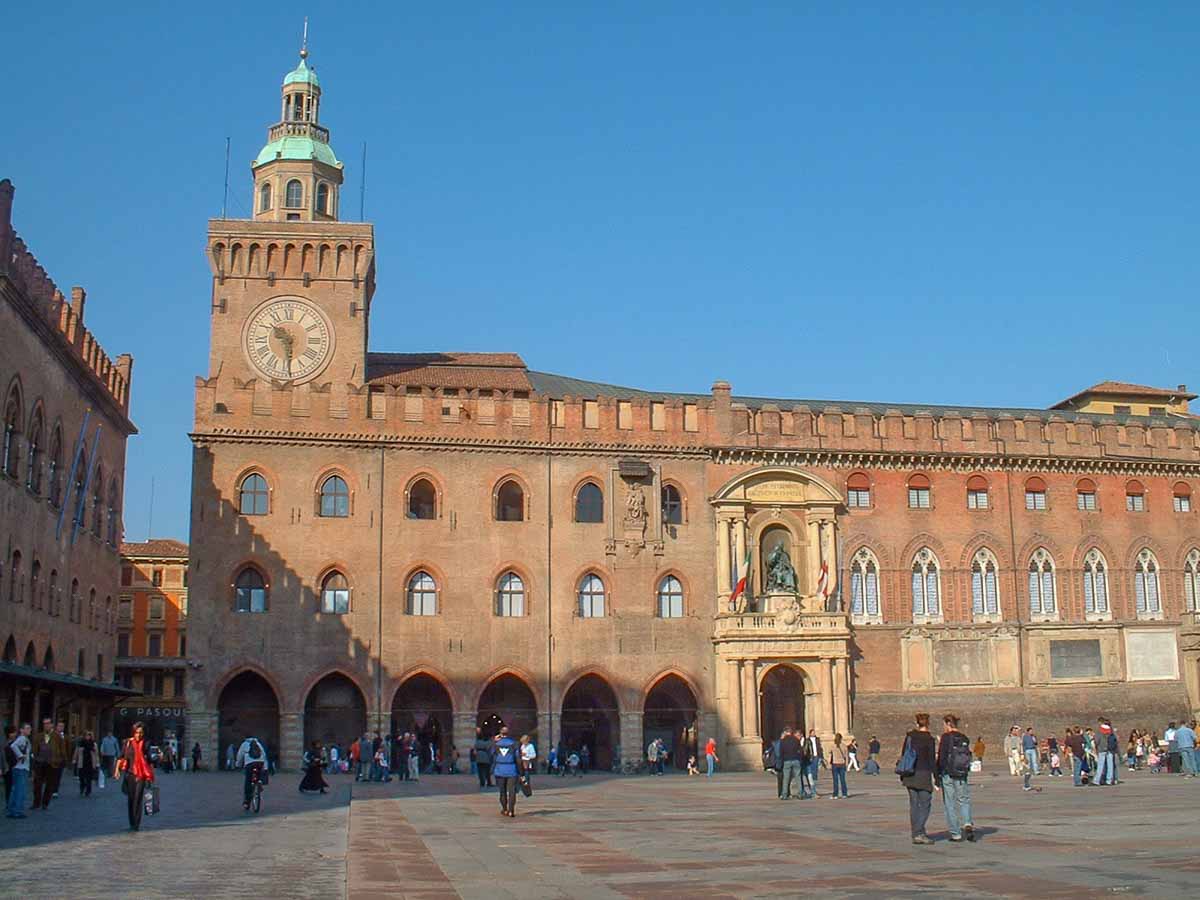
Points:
(823, 580)
(743, 577)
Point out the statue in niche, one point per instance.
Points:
(781, 577)
(635, 504)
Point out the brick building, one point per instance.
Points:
(62, 467)
(152, 637)
(440, 541)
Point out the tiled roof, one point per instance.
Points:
(167, 547)
(1125, 388)
(494, 371)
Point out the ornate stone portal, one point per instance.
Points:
(784, 653)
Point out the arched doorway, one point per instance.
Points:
(507, 700)
(590, 718)
(248, 707)
(670, 714)
(782, 702)
(422, 706)
(334, 712)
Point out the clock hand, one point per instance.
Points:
(285, 339)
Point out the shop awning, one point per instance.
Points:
(46, 677)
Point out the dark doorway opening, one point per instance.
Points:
(782, 699)
(422, 707)
(670, 714)
(248, 707)
(334, 713)
(508, 700)
(590, 718)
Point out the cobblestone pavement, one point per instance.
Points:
(607, 837)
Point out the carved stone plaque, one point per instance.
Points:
(962, 662)
(776, 492)
(1151, 655)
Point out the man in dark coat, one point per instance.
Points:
(919, 781)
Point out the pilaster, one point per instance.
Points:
(291, 740)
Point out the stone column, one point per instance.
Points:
(749, 699)
(463, 730)
(202, 727)
(841, 696)
(813, 556)
(545, 735)
(291, 740)
(723, 577)
(736, 694)
(632, 736)
(825, 721)
(739, 529)
(830, 532)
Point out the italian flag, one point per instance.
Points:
(743, 577)
(823, 580)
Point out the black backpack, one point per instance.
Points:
(958, 760)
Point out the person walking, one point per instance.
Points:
(528, 758)
(483, 759)
(979, 750)
(1012, 750)
(710, 755)
(1074, 742)
(1107, 747)
(1185, 740)
(815, 755)
(109, 748)
(230, 756)
(852, 752)
(789, 767)
(134, 765)
(196, 756)
(49, 756)
(506, 768)
(313, 779)
(1029, 747)
(920, 750)
(414, 758)
(839, 758)
(19, 753)
(873, 747)
(85, 762)
(954, 757)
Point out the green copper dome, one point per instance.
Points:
(293, 147)
(302, 74)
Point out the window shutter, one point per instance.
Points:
(990, 593)
(931, 592)
(918, 604)
(1152, 591)
(1048, 591)
(1101, 592)
(1189, 590)
(1089, 590)
(1035, 599)
(872, 593)
(977, 591)
(856, 598)
(1139, 588)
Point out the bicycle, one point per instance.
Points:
(256, 790)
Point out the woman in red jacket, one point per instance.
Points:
(710, 755)
(134, 761)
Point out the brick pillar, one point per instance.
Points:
(291, 740)
(202, 726)
(841, 697)
(632, 736)
(464, 737)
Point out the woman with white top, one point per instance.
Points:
(528, 756)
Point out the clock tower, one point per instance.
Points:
(292, 285)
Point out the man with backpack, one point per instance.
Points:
(251, 756)
(953, 769)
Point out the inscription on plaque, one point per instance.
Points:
(1151, 655)
(1075, 659)
(776, 492)
(961, 662)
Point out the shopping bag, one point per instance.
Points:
(526, 787)
(151, 800)
(977, 765)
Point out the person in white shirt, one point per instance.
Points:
(253, 757)
(20, 751)
(528, 756)
(109, 748)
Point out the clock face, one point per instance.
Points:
(288, 339)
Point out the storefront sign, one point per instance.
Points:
(152, 712)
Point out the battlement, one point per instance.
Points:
(678, 423)
(337, 251)
(22, 269)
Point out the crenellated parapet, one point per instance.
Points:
(42, 298)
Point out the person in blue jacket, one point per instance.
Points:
(506, 769)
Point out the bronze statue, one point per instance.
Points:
(781, 577)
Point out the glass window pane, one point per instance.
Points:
(872, 592)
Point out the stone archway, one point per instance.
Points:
(335, 712)
(246, 708)
(590, 718)
(671, 713)
(422, 706)
(781, 702)
(507, 700)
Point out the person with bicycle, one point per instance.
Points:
(252, 758)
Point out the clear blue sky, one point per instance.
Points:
(946, 203)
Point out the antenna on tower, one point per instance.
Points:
(362, 188)
(225, 196)
(304, 40)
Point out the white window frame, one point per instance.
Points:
(1043, 587)
(1191, 580)
(510, 596)
(985, 587)
(1147, 588)
(866, 602)
(591, 597)
(926, 587)
(1035, 501)
(1096, 588)
(977, 498)
(421, 595)
(670, 598)
(920, 498)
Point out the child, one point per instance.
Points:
(573, 764)
(1056, 764)
(1155, 760)
(553, 760)
(692, 770)
(381, 760)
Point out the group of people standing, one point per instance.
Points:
(797, 760)
(40, 759)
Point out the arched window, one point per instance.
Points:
(30, 655)
(510, 595)
(10, 458)
(1095, 584)
(422, 595)
(977, 492)
(926, 593)
(48, 659)
(323, 198)
(54, 472)
(589, 504)
(864, 586)
(108, 619)
(294, 197)
(1135, 496)
(37, 438)
(335, 497)
(985, 591)
(91, 619)
(510, 503)
(591, 597)
(1041, 584)
(918, 492)
(672, 505)
(10, 650)
(1182, 497)
(264, 197)
(1035, 494)
(1145, 585)
(858, 491)
(98, 502)
(52, 605)
(335, 594)
(1191, 580)
(114, 513)
(1085, 494)
(16, 583)
(35, 582)
(254, 496)
(79, 663)
(250, 594)
(670, 598)
(422, 500)
(73, 611)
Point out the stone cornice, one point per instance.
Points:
(954, 462)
